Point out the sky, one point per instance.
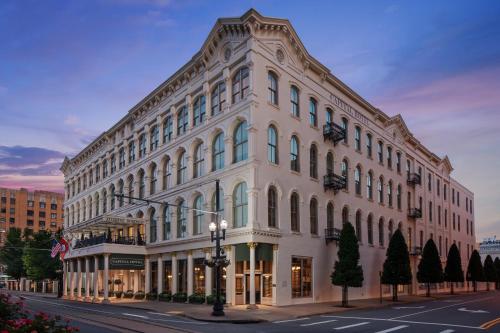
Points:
(70, 69)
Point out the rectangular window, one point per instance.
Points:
(53, 216)
(42, 205)
(301, 277)
(398, 162)
(445, 192)
(380, 149)
(41, 214)
(438, 187)
(369, 145)
(53, 206)
(357, 138)
(430, 211)
(429, 182)
(31, 203)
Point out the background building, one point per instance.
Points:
(298, 154)
(489, 246)
(38, 210)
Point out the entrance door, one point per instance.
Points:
(257, 288)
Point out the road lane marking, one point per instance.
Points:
(491, 323)
(353, 325)
(289, 320)
(160, 314)
(319, 322)
(451, 300)
(393, 329)
(442, 307)
(447, 331)
(178, 321)
(134, 315)
(408, 307)
(472, 311)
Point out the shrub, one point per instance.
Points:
(196, 299)
(152, 296)
(139, 295)
(180, 297)
(211, 299)
(128, 294)
(118, 294)
(111, 293)
(165, 297)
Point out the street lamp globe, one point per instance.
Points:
(223, 224)
(212, 227)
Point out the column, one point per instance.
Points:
(160, 275)
(87, 278)
(94, 278)
(44, 287)
(147, 271)
(79, 278)
(137, 277)
(275, 272)
(208, 273)
(71, 279)
(252, 247)
(65, 278)
(190, 276)
(175, 273)
(106, 278)
(230, 274)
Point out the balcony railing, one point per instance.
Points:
(332, 234)
(104, 239)
(333, 132)
(415, 251)
(332, 181)
(413, 179)
(414, 213)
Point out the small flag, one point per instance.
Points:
(64, 248)
(56, 247)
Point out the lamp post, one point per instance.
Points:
(219, 260)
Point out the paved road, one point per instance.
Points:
(462, 313)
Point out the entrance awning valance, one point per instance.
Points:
(103, 222)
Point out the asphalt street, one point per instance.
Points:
(461, 313)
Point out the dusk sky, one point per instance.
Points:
(71, 69)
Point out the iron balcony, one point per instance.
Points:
(415, 213)
(413, 179)
(332, 234)
(333, 133)
(332, 181)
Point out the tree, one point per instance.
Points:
(490, 274)
(37, 260)
(453, 271)
(475, 271)
(347, 273)
(429, 268)
(397, 268)
(497, 269)
(12, 252)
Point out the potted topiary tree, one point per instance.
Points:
(119, 291)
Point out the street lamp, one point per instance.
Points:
(219, 260)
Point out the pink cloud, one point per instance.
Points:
(45, 183)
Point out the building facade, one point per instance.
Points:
(38, 210)
(297, 153)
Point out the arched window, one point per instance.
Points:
(357, 180)
(272, 87)
(142, 184)
(104, 201)
(294, 212)
(142, 145)
(357, 138)
(182, 120)
(313, 216)
(329, 215)
(381, 232)
(294, 99)
(294, 154)
(218, 152)
(153, 179)
(90, 207)
(166, 222)
(96, 205)
(272, 145)
(313, 112)
(199, 110)
(345, 127)
(391, 229)
(369, 223)
(380, 190)
(343, 168)
(167, 173)
(389, 157)
(198, 215)
(104, 172)
(182, 168)
(168, 129)
(131, 155)
(154, 138)
(112, 190)
(97, 176)
(218, 98)
(359, 235)
(130, 185)
(389, 193)
(272, 207)
(240, 145)
(84, 210)
(369, 145)
(380, 152)
(398, 196)
(152, 226)
(240, 84)
(313, 162)
(345, 215)
(369, 185)
(329, 163)
(240, 205)
(329, 116)
(121, 158)
(198, 161)
(112, 165)
(181, 220)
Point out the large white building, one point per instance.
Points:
(297, 153)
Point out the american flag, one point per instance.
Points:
(56, 247)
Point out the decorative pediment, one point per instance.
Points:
(445, 164)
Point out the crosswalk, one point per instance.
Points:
(346, 324)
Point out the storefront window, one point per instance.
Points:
(167, 265)
(301, 277)
(199, 276)
(182, 274)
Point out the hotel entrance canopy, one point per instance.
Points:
(103, 222)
